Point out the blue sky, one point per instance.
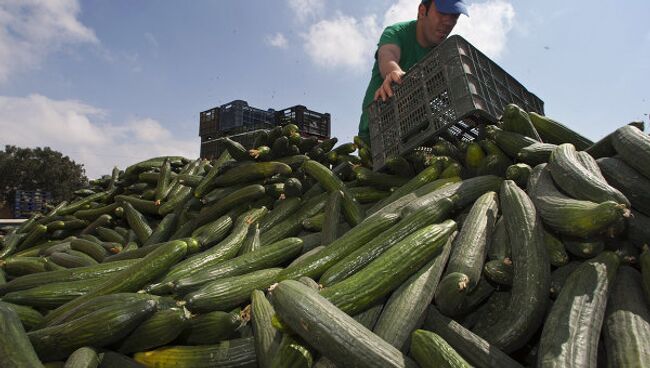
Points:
(114, 82)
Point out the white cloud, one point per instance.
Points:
(277, 40)
(31, 29)
(306, 9)
(349, 42)
(488, 26)
(401, 11)
(343, 41)
(80, 131)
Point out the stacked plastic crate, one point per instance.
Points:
(28, 202)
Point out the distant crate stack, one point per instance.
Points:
(239, 121)
(28, 202)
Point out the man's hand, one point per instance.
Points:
(386, 90)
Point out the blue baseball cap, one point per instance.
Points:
(449, 6)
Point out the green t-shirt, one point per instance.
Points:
(400, 34)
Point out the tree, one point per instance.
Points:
(39, 168)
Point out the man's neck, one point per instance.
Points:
(419, 35)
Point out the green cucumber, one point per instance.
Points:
(351, 209)
(334, 334)
(431, 351)
(553, 132)
(53, 295)
(268, 256)
(250, 172)
(229, 292)
(162, 184)
(531, 274)
(645, 271)
(160, 329)
(499, 247)
(634, 147)
(83, 273)
(473, 348)
(21, 266)
(361, 290)
(572, 328)
(281, 210)
(370, 250)
(515, 119)
(634, 186)
(331, 218)
(231, 353)
(207, 184)
(499, 271)
(536, 153)
(519, 173)
(252, 241)
(100, 328)
(626, 328)
(137, 222)
(210, 328)
(568, 216)
(232, 200)
(132, 278)
(292, 353)
(557, 254)
(315, 265)
(292, 224)
(84, 357)
(574, 179)
(28, 316)
(267, 338)
(511, 143)
(404, 310)
(15, 347)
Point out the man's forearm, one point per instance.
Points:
(388, 61)
(387, 67)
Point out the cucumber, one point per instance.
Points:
(572, 328)
(207, 184)
(210, 328)
(626, 328)
(231, 353)
(536, 153)
(515, 119)
(15, 347)
(161, 328)
(84, 357)
(137, 222)
(53, 295)
(226, 249)
(404, 310)
(361, 290)
(634, 147)
(232, 200)
(229, 292)
(314, 223)
(366, 253)
(281, 210)
(645, 270)
(292, 353)
(333, 333)
(109, 235)
(162, 184)
(553, 132)
(568, 216)
(574, 179)
(28, 316)
(94, 250)
(519, 173)
(557, 254)
(634, 186)
(531, 274)
(476, 350)
(267, 338)
(252, 241)
(351, 209)
(292, 224)
(268, 256)
(315, 265)
(584, 248)
(213, 232)
(560, 275)
(638, 229)
(133, 277)
(83, 273)
(428, 175)
(250, 172)
(398, 165)
(331, 218)
(431, 350)
(71, 260)
(511, 143)
(59, 341)
(499, 247)
(21, 266)
(499, 271)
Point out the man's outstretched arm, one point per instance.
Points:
(388, 57)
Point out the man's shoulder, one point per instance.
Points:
(399, 26)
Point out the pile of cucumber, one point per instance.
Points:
(527, 247)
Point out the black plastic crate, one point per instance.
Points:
(309, 122)
(455, 90)
(214, 148)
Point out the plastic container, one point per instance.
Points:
(454, 90)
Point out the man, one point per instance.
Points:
(404, 44)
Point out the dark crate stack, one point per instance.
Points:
(28, 202)
(452, 92)
(240, 122)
